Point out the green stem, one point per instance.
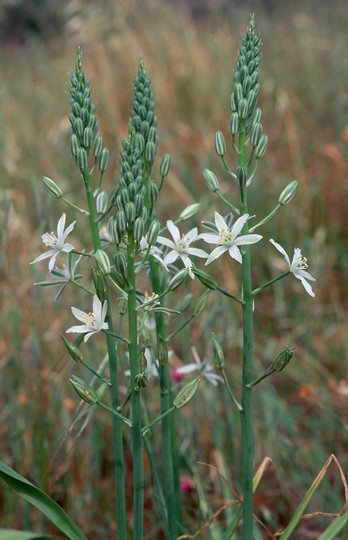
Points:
(86, 289)
(181, 327)
(153, 422)
(230, 391)
(168, 449)
(117, 438)
(72, 205)
(116, 336)
(226, 201)
(246, 413)
(259, 289)
(266, 219)
(138, 469)
(92, 370)
(226, 293)
(115, 413)
(262, 377)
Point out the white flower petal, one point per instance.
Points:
(220, 222)
(166, 242)
(191, 236)
(210, 238)
(43, 256)
(170, 258)
(174, 231)
(189, 368)
(61, 225)
(304, 274)
(80, 329)
(217, 252)
(80, 315)
(281, 250)
(235, 253)
(197, 252)
(306, 285)
(238, 226)
(247, 239)
(69, 229)
(52, 261)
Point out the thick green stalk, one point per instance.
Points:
(114, 389)
(246, 413)
(168, 464)
(138, 468)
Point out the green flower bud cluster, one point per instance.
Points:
(129, 195)
(245, 114)
(83, 120)
(143, 118)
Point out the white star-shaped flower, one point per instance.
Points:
(297, 266)
(204, 368)
(180, 246)
(56, 242)
(228, 239)
(93, 321)
(154, 250)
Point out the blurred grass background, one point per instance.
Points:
(190, 50)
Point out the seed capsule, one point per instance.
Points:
(207, 280)
(283, 358)
(186, 394)
(74, 352)
(84, 391)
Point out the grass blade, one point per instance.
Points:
(40, 500)
(12, 534)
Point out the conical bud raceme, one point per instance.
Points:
(84, 124)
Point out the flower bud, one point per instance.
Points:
(78, 127)
(257, 116)
(87, 137)
(74, 351)
(115, 233)
(261, 146)
(211, 180)
(102, 202)
(234, 123)
(140, 381)
(82, 159)
(103, 261)
(207, 280)
(288, 193)
(122, 306)
(103, 160)
(162, 353)
(52, 187)
(255, 134)
(242, 175)
(144, 128)
(283, 358)
(98, 146)
(150, 152)
(120, 263)
(220, 144)
(186, 394)
(152, 191)
(218, 352)
(74, 145)
(238, 92)
(233, 103)
(178, 279)
(84, 391)
(131, 212)
(165, 165)
(100, 285)
(185, 303)
(153, 137)
(138, 229)
(121, 221)
(153, 232)
(201, 304)
(189, 211)
(139, 142)
(243, 108)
